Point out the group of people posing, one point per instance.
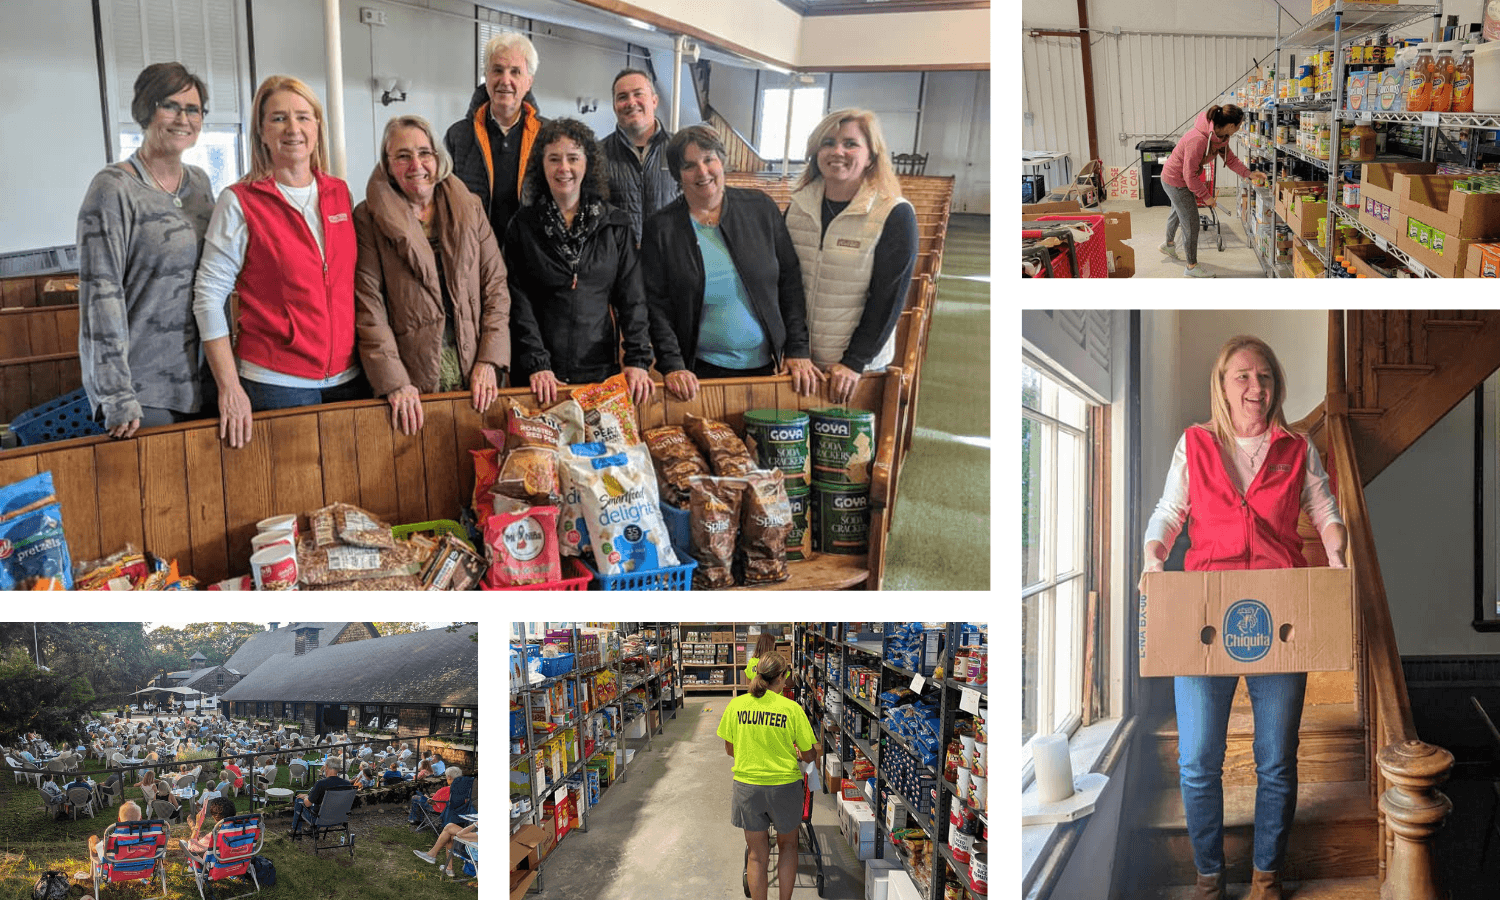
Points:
(516, 249)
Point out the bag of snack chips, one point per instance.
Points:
(725, 451)
(676, 459)
(358, 528)
(486, 473)
(602, 427)
(765, 522)
(32, 544)
(622, 507)
(572, 519)
(524, 428)
(529, 473)
(567, 418)
(330, 565)
(613, 397)
(522, 547)
(715, 519)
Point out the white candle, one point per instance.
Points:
(1054, 770)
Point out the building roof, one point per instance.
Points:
(204, 676)
(262, 646)
(199, 655)
(431, 668)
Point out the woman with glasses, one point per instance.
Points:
(140, 232)
(282, 237)
(432, 312)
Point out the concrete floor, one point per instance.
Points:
(1148, 228)
(664, 832)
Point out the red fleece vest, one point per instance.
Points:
(1256, 530)
(296, 308)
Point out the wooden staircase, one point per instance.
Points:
(1367, 801)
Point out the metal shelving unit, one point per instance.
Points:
(1385, 244)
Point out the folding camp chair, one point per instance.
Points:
(332, 815)
(428, 818)
(133, 851)
(231, 846)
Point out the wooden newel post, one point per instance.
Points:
(1414, 812)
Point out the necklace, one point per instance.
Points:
(181, 181)
(304, 208)
(1252, 457)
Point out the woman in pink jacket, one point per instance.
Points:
(1183, 182)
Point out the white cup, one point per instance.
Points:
(267, 538)
(278, 523)
(275, 568)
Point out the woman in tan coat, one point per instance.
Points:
(432, 312)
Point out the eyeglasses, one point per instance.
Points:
(175, 109)
(405, 157)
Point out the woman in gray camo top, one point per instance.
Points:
(140, 231)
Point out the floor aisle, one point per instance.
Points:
(663, 833)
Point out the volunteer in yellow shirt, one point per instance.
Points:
(765, 732)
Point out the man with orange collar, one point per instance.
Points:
(490, 144)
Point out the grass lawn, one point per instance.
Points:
(383, 867)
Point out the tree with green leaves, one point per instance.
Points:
(47, 703)
(387, 629)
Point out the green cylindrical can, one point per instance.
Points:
(841, 518)
(843, 445)
(777, 438)
(799, 541)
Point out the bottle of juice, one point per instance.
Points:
(1419, 82)
(1442, 82)
(1463, 81)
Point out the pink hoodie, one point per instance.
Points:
(1183, 167)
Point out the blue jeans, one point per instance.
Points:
(274, 396)
(301, 813)
(1203, 704)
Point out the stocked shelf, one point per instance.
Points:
(1360, 21)
(1428, 119)
(1384, 243)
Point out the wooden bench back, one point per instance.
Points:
(24, 291)
(181, 493)
(38, 356)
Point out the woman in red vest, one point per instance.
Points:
(283, 238)
(1239, 482)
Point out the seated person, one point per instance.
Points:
(237, 773)
(438, 766)
(305, 807)
(129, 812)
(461, 798)
(365, 778)
(220, 808)
(79, 780)
(54, 794)
(434, 805)
(425, 770)
(392, 773)
(444, 840)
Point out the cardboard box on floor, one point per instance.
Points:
(525, 859)
(1250, 622)
(1116, 232)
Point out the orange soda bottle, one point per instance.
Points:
(1442, 82)
(1463, 81)
(1419, 82)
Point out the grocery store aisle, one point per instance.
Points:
(1148, 228)
(663, 833)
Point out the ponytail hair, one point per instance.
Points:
(1225, 115)
(771, 667)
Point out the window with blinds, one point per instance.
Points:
(492, 22)
(207, 37)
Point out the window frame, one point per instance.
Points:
(1081, 575)
(798, 148)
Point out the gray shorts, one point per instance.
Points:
(756, 806)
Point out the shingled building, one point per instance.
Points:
(414, 684)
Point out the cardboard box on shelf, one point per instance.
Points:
(1431, 199)
(1304, 264)
(1484, 261)
(1284, 191)
(876, 873)
(1320, 5)
(525, 858)
(1377, 180)
(1366, 256)
(1441, 253)
(1305, 216)
(1247, 622)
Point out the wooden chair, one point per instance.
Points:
(910, 163)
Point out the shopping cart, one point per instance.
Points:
(807, 832)
(1208, 216)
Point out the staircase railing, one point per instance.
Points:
(1406, 771)
(741, 156)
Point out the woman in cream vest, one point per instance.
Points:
(856, 238)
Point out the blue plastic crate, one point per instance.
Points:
(68, 416)
(679, 528)
(671, 578)
(561, 664)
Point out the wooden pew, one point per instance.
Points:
(25, 291)
(38, 356)
(180, 493)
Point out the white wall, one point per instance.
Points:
(1299, 338)
(54, 130)
(956, 135)
(893, 96)
(732, 91)
(949, 37)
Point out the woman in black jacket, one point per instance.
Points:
(572, 259)
(722, 279)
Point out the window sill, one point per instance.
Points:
(1043, 847)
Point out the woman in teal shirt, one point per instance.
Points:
(764, 732)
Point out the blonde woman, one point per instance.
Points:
(283, 237)
(856, 238)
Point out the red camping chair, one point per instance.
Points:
(133, 851)
(231, 845)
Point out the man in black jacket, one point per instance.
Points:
(491, 143)
(635, 152)
(310, 801)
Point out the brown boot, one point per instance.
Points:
(1264, 886)
(1210, 887)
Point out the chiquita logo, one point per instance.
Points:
(1247, 631)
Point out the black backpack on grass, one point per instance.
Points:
(51, 886)
(265, 871)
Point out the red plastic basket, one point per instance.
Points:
(1092, 262)
(575, 578)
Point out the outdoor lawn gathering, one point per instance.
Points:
(226, 759)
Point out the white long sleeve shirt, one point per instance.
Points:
(1172, 509)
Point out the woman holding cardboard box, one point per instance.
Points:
(1239, 482)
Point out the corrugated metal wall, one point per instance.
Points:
(1145, 85)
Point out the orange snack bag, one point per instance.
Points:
(613, 397)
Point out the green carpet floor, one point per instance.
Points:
(940, 538)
